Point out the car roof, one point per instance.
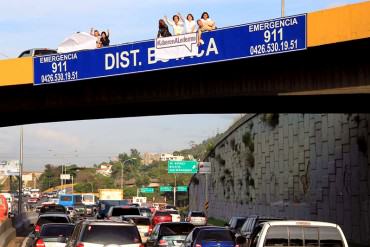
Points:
(107, 222)
(53, 215)
(300, 223)
(136, 216)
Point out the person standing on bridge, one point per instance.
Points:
(105, 38)
(190, 24)
(163, 29)
(208, 23)
(177, 24)
(96, 34)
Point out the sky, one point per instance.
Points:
(90, 142)
(26, 24)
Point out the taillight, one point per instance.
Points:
(82, 245)
(142, 245)
(40, 243)
(198, 245)
(237, 245)
(37, 228)
(162, 242)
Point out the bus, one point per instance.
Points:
(88, 199)
(73, 201)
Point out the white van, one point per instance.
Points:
(297, 233)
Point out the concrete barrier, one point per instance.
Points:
(7, 232)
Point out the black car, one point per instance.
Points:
(169, 234)
(251, 223)
(53, 208)
(53, 233)
(104, 233)
(49, 218)
(235, 224)
(209, 236)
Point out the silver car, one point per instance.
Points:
(197, 218)
(99, 233)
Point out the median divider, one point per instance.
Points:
(7, 232)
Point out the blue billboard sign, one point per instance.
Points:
(254, 39)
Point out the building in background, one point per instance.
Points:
(167, 157)
(149, 158)
(104, 169)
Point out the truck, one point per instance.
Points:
(139, 200)
(110, 194)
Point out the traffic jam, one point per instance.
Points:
(83, 220)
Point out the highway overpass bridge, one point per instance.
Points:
(335, 61)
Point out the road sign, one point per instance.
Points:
(65, 176)
(204, 167)
(147, 190)
(182, 188)
(184, 166)
(206, 205)
(9, 168)
(248, 40)
(166, 189)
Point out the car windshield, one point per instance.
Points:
(215, 235)
(140, 221)
(52, 208)
(52, 219)
(162, 213)
(197, 214)
(175, 229)
(172, 212)
(111, 234)
(56, 230)
(44, 52)
(125, 211)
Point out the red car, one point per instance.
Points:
(161, 216)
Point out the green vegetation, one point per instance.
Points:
(216, 222)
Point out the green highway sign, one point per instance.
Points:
(182, 189)
(184, 166)
(147, 190)
(165, 188)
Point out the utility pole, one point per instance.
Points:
(20, 172)
(174, 193)
(282, 8)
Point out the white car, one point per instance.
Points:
(10, 200)
(175, 215)
(197, 218)
(312, 233)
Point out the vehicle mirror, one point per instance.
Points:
(241, 240)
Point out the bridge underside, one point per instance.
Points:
(226, 87)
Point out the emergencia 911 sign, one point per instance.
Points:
(269, 37)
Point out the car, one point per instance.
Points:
(175, 215)
(169, 234)
(197, 218)
(170, 207)
(116, 212)
(50, 218)
(53, 208)
(32, 200)
(104, 206)
(80, 209)
(72, 213)
(99, 233)
(145, 212)
(161, 216)
(252, 222)
(90, 210)
(37, 52)
(53, 235)
(236, 223)
(209, 236)
(298, 233)
(143, 225)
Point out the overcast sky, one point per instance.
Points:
(26, 24)
(93, 141)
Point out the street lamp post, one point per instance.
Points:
(282, 8)
(123, 163)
